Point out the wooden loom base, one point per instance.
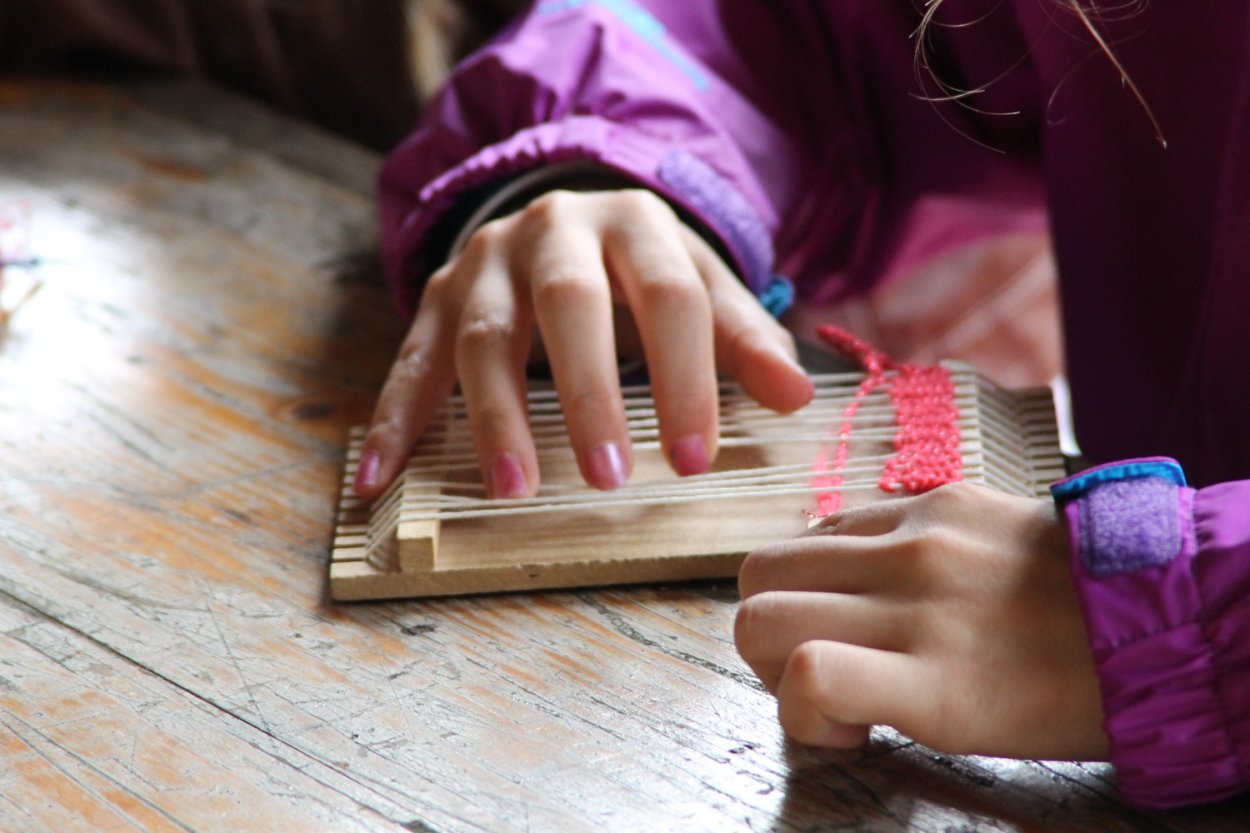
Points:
(1008, 442)
(604, 546)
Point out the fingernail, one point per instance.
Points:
(367, 474)
(606, 466)
(689, 455)
(507, 478)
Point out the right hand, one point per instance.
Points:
(950, 616)
(561, 264)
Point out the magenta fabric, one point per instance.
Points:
(819, 157)
(1170, 637)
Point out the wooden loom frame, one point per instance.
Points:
(434, 534)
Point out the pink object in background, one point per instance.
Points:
(15, 259)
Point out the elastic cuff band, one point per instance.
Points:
(1079, 484)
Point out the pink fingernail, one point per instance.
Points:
(367, 474)
(606, 466)
(507, 478)
(689, 455)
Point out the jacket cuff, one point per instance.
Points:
(675, 173)
(1158, 655)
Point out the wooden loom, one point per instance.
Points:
(434, 533)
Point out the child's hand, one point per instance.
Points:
(950, 616)
(561, 264)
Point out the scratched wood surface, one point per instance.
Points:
(174, 406)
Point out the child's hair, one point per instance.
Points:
(1087, 17)
(441, 32)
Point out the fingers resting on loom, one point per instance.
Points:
(559, 273)
(950, 616)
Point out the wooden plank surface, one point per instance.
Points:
(90, 739)
(174, 406)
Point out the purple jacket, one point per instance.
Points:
(800, 135)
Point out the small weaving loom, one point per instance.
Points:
(435, 533)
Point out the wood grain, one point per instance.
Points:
(91, 740)
(174, 406)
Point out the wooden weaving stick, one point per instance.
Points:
(434, 533)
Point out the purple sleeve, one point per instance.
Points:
(654, 91)
(1163, 573)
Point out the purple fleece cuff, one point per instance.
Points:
(1128, 515)
(1131, 528)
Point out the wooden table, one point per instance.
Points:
(173, 410)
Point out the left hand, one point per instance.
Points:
(950, 616)
(569, 263)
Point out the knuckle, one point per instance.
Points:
(745, 627)
(549, 209)
(910, 553)
(412, 363)
(673, 291)
(754, 626)
(749, 618)
(947, 496)
(955, 490)
(754, 572)
(914, 545)
(484, 331)
(485, 239)
(437, 286)
(804, 667)
(942, 542)
(925, 549)
(641, 202)
(568, 288)
(942, 538)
